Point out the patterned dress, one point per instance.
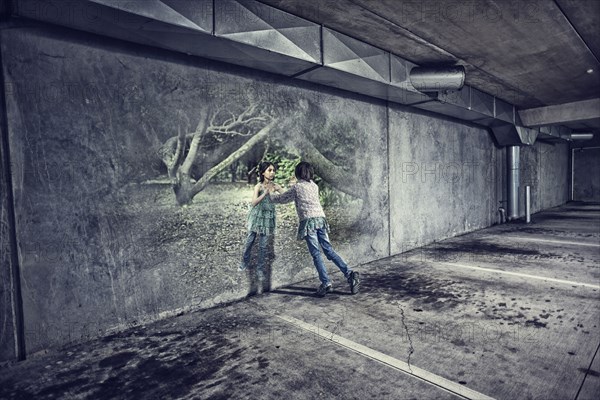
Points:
(261, 218)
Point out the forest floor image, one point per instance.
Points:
(144, 256)
(206, 238)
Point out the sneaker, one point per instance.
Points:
(354, 282)
(242, 267)
(324, 289)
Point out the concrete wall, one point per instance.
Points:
(103, 243)
(586, 176)
(7, 302)
(443, 179)
(544, 167)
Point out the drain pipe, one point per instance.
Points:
(513, 153)
(528, 204)
(502, 213)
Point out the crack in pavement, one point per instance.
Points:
(411, 349)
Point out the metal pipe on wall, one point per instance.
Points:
(513, 153)
(528, 204)
(581, 136)
(572, 175)
(426, 79)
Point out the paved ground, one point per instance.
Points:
(509, 312)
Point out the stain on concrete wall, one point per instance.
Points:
(116, 226)
(442, 179)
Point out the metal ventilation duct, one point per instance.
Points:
(466, 104)
(400, 90)
(470, 104)
(580, 136)
(260, 33)
(437, 79)
(245, 33)
(553, 133)
(513, 135)
(351, 65)
(252, 34)
(358, 67)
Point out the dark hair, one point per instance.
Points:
(262, 168)
(304, 171)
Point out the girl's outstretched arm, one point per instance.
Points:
(255, 197)
(285, 197)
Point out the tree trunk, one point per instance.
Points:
(335, 176)
(176, 161)
(186, 166)
(236, 155)
(185, 190)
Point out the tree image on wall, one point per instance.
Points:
(226, 135)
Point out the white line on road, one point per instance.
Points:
(442, 383)
(541, 278)
(551, 241)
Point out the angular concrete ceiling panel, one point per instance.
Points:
(173, 12)
(527, 53)
(350, 55)
(518, 55)
(262, 26)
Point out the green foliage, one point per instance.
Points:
(285, 163)
(330, 196)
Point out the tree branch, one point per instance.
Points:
(247, 116)
(178, 156)
(191, 156)
(331, 173)
(236, 155)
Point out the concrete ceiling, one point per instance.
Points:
(533, 54)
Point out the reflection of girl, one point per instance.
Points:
(313, 227)
(261, 219)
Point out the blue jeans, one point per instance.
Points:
(316, 240)
(262, 250)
